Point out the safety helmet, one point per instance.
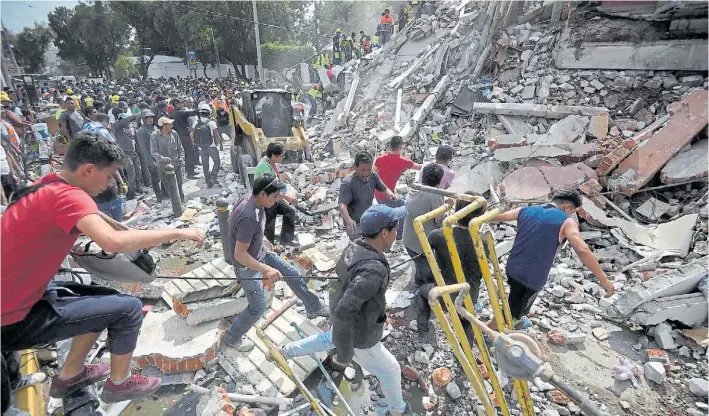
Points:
(69, 91)
(115, 98)
(316, 87)
(4, 97)
(338, 30)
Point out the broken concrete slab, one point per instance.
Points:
(215, 403)
(598, 127)
(613, 159)
(689, 118)
(514, 124)
(570, 152)
(653, 209)
(479, 178)
(536, 110)
(679, 281)
(671, 238)
(507, 140)
(687, 166)
(197, 312)
(571, 128)
(655, 372)
(663, 336)
(677, 55)
(180, 291)
(167, 342)
(689, 309)
(527, 184)
(566, 177)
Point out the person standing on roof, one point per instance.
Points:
(386, 27)
(274, 154)
(253, 258)
(336, 47)
(390, 166)
(541, 229)
(206, 136)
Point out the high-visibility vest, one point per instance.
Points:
(313, 92)
(375, 39)
(416, 2)
(409, 13)
(317, 63)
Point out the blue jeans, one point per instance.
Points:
(377, 360)
(112, 208)
(253, 289)
(394, 204)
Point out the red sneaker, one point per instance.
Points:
(137, 386)
(91, 373)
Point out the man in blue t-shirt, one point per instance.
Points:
(540, 231)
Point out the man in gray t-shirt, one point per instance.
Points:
(357, 192)
(252, 260)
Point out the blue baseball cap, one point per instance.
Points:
(378, 216)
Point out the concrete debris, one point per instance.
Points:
(663, 336)
(655, 372)
(536, 110)
(687, 165)
(679, 281)
(699, 387)
(689, 309)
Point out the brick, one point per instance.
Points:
(617, 155)
(689, 118)
(591, 187)
(169, 343)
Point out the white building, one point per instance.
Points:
(172, 66)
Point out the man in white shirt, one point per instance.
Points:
(205, 133)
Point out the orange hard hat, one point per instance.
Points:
(316, 87)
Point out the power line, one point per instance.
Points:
(227, 16)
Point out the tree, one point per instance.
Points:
(90, 35)
(30, 46)
(124, 67)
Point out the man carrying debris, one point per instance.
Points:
(36, 311)
(444, 155)
(357, 192)
(469, 264)
(389, 167)
(166, 149)
(358, 307)
(253, 259)
(274, 154)
(419, 203)
(540, 231)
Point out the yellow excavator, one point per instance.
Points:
(262, 117)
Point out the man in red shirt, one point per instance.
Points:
(39, 229)
(390, 166)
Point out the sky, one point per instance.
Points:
(18, 14)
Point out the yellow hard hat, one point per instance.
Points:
(4, 97)
(69, 91)
(338, 30)
(115, 99)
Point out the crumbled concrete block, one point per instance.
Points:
(679, 281)
(653, 209)
(598, 126)
(655, 372)
(600, 333)
(692, 81)
(305, 241)
(215, 403)
(209, 310)
(663, 336)
(167, 342)
(570, 129)
(689, 165)
(699, 387)
(689, 309)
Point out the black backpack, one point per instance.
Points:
(202, 134)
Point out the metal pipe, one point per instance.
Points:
(296, 409)
(171, 180)
(224, 231)
(326, 374)
(443, 192)
(247, 398)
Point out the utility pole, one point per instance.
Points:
(216, 52)
(258, 44)
(317, 30)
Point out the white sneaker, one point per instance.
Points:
(30, 380)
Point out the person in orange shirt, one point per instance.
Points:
(386, 26)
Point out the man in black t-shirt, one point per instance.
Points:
(469, 263)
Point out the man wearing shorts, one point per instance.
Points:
(540, 231)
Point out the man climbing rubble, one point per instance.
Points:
(541, 229)
(274, 154)
(40, 229)
(357, 192)
(358, 307)
(254, 258)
